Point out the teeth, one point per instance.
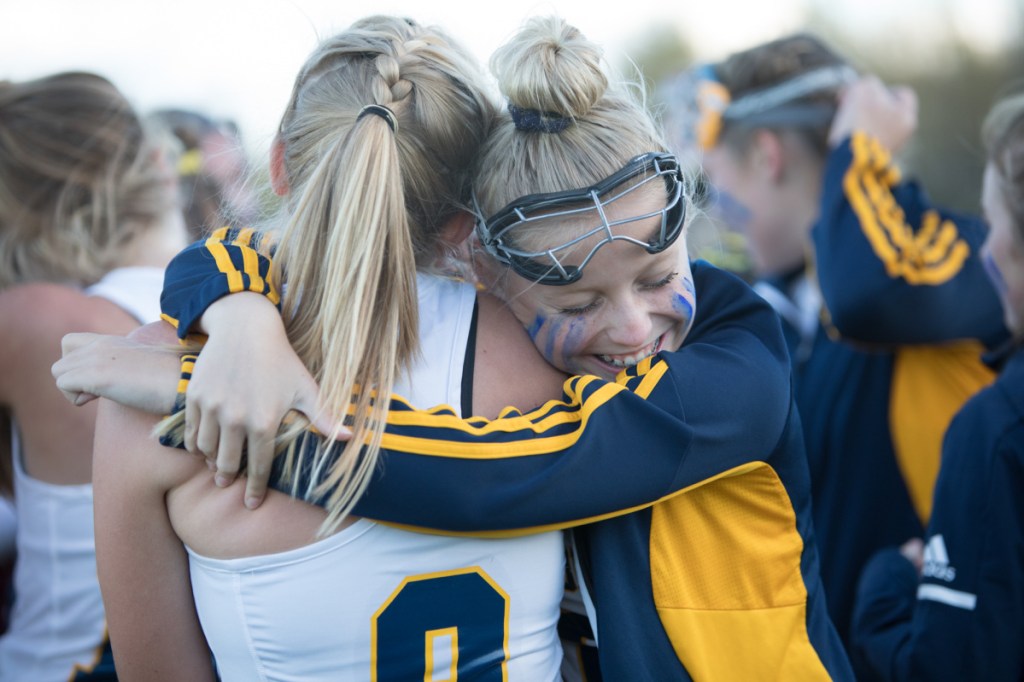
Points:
(631, 360)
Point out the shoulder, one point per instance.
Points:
(729, 308)
(993, 412)
(38, 316)
(985, 442)
(131, 459)
(723, 295)
(54, 308)
(508, 370)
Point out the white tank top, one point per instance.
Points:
(57, 620)
(413, 606)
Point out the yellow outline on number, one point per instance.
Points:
(452, 630)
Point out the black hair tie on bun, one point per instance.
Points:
(536, 121)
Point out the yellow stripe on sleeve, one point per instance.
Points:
(266, 243)
(934, 255)
(548, 417)
(250, 260)
(651, 379)
(519, 448)
(224, 264)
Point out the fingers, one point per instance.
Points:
(67, 373)
(913, 551)
(83, 398)
(192, 416)
(229, 453)
(67, 385)
(260, 454)
(218, 439)
(307, 402)
(887, 113)
(906, 98)
(74, 341)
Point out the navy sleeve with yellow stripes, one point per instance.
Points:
(228, 262)
(893, 268)
(608, 448)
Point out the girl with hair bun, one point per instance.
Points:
(675, 451)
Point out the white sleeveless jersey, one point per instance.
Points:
(57, 623)
(377, 603)
(134, 289)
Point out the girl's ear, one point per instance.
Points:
(458, 228)
(278, 178)
(770, 154)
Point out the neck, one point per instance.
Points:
(158, 244)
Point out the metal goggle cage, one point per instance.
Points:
(549, 266)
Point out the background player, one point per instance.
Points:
(953, 606)
(884, 300)
(88, 219)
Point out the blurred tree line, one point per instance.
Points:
(956, 83)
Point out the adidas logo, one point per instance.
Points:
(936, 560)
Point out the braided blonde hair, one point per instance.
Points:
(367, 204)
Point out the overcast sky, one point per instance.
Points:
(237, 58)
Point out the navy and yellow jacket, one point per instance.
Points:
(689, 473)
(908, 314)
(963, 619)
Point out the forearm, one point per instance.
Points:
(580, 460)
(893, 268)
(229, 262)
(138, 371)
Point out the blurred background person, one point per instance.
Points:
(883, 297)
(212, 171)
(88, 220)
(952, 607)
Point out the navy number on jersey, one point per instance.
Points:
(441, 627)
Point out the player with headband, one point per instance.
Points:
(884, 301)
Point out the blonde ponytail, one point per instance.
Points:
(350, 306)
(370, 192)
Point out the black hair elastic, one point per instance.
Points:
(537, 121)
(383, 112)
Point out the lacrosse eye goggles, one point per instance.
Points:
(552, 266)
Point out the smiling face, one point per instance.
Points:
(628, 305)
(1003, 252)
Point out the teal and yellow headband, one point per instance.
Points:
(712, 104)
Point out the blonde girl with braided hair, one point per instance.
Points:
(373, 158)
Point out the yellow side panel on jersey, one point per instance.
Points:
(929, 386)
(725, 566)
